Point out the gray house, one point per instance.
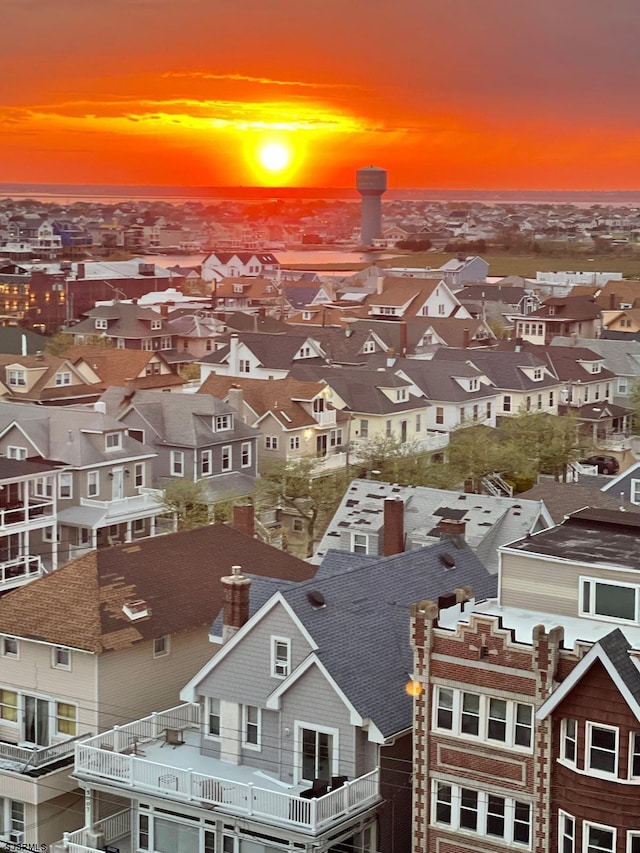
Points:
(288, 742)
(195, 436)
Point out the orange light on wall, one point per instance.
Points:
(413, 688)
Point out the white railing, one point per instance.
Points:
(433, 441)
(100, 757)
(26, 513)
(109, 828)
(20, 569)
(39, 756)
(614, 441)
(326, 418)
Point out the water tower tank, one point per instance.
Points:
(371, 183)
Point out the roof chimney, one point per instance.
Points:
(243, 518)
(612, 301)
(403, 338)
(235, 398)
(466, 338)
(393, 526)
(453, 531)
(235, 590)
(129, 387)
(164, 310)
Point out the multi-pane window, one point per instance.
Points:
(294, 442)
(634, 755)
(271, 442)
(506, 403)
(418, 423)
(470, 810)
(633, 841)
(223, 422)
(490, 718)
(113, 440)
(245, 454)
(177, 463)
(66, 723)
(597, 838)
(244, 365)
(17, 378)
(63, 378)
(389, 428)
(364, 428)
(65, 485)
(569, 740)
(566, 833)
(14, 452)
(9, 706)
(227, 458)
(138, 474)
(360, 543)
(439, 414)
(43, 487)
(213, 717)
(93, 483)
(12, 818)
(280, 657)
(206, 466)
(608, 600)
(251, 727)
(602, 749)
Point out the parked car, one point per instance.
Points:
(604, 464)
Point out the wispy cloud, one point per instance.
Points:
(263, 81)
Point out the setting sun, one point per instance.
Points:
(274, 156)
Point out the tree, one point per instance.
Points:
(187, 500)
(474, 452)
(536, 442)
(189, 372)
(389, 459)
(296, 486)
(59, 343)
(635, 405)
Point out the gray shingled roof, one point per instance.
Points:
(616, 647)
(367, 612)
(502, 368)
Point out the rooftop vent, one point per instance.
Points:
(316, 598)
(136, 609)
(447, 561)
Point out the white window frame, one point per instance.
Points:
(566, 737)
(634, 749)
(595, 771)
(206, 462)
(359, 542)
(364, 428)
(17, 378)
(138, 475)
(226, 458)
(162, 646)
(280, 664)
(16, 452)
(63, 377)
(586, 824)
(177, 463)
(369, 346)
(101, 323)
(54, 707)
(43, 487)
(566, 833)
(245, 454)
(634, 491)
(590, 610)
(631, 835)
(10, 647)
(459, 713)
(244, 365)
(93, 484)
(223, 423)
(506, 402)
(481, 810)
(14, 826)
(61, 658)
(113, 441)
(294, 442)
(65, 480)
(271, 442)
(255, 725)
(212, 709)
(156, 325)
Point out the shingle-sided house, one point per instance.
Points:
(127, 324)
(560, 316)
(261, 356)
(194, 436)
(219, 265)
(288, 742)
(102, 494)
(46, 379)
(144, 369)
(111, 635)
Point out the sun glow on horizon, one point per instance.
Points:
(274, 156)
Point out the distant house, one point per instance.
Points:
(564, 316)
(229, 264)
(141, 369)
(128, 325)
(260, 356)
(195, 436)
(46, 379)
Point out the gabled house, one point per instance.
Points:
(527, 723)
(261, 356)
(46, 379)
(102, 494)
(377, 518)
(127, 324)
(291, 743)
(243, 294)
(401, 298)
(621, 358)
(525, 381)
(219, 265)
(295, 419)
(109, 636)
(563, 316)
(143, 370)
(192, 436)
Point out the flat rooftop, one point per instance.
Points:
(589, 536)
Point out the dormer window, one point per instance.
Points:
(473, 385)
(537, 373)
(155, 325)
(305, 352)
(401, 395)
(113, 440)
(17, 378)
(608, 600)
(306, 315)
(63, 378)
(237, 288)
(369, 346)
(595, 367)
(223, 422)
(136, 609)
(101, 323)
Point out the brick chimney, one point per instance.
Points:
(235, 590)
(235, 398)
(243, 518)
(613, 299)
(453, 531)
(393, 526)
(129, 387)
(466, 338)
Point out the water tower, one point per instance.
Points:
(371, 183)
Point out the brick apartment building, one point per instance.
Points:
(527, 708)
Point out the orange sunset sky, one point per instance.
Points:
(443, 93)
